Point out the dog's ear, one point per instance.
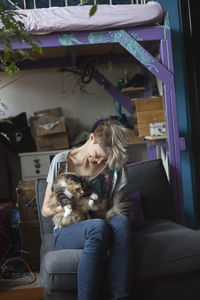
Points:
(85, 178)
(73, 176)
(68, 174)
(84, 181)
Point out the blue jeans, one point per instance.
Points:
(107, 253)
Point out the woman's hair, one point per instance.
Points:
(112, 137)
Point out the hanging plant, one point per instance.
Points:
(83, 74)
(9, 28)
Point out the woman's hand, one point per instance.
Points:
(46, 210)
(59, 209)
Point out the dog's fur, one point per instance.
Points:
(76, 196)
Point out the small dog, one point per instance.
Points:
(76, 196)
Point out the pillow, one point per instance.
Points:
(137, 216)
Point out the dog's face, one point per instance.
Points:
(71, 183)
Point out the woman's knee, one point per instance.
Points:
(121, 224)
(99, 229)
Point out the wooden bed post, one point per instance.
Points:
(164, 71)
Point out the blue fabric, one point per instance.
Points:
(107, 253)
(137, 216)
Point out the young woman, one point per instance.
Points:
(107, 246)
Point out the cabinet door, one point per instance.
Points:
(34, 166)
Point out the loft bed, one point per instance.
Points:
(138, 29)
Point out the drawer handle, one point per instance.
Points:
(37, 165)
(36, 160)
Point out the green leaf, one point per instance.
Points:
(8, 121)
(6, 55)
(93, 10)
(16, 29)
(5, 135)
(22, 52)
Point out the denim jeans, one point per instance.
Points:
(107, 253)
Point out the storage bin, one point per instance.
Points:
(146, 111)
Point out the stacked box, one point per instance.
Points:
(146, 111)
(51, 142)
(26, 201)
(132, 138)
(54, 138)
(29, 224)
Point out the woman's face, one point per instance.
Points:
(97, 154)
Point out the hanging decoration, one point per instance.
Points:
(83, 74)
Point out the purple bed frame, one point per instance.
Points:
(129, 38)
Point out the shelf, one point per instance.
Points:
(132, 89)
(155, 138)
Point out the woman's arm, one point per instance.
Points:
(46, 210)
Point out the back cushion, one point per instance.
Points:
(150, 179)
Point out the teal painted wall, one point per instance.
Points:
(172, 6)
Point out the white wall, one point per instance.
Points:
(36, 90)
(41, 89)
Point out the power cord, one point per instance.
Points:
(14, 267)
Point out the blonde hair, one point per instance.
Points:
(112, 137)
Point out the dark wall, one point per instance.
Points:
(190, 20)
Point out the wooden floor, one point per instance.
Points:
(23, 294)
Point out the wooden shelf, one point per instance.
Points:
(155, 138)
(132, 89)
(136, 142)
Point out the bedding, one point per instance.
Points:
(76, 18)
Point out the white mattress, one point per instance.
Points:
(76, 18)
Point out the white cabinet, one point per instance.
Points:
(36, 164)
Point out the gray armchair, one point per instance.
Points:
(167, 255)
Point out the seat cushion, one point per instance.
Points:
(165, 248)
(59, 269)
(161, 248)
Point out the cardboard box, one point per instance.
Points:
(49, 121)
(52, 142)
(30, 243)
(52, 112)
(26, 201)
(146, 111)
(54, 138)
(60, 128)
(133, 138)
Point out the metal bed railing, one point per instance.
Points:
(66, 3)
